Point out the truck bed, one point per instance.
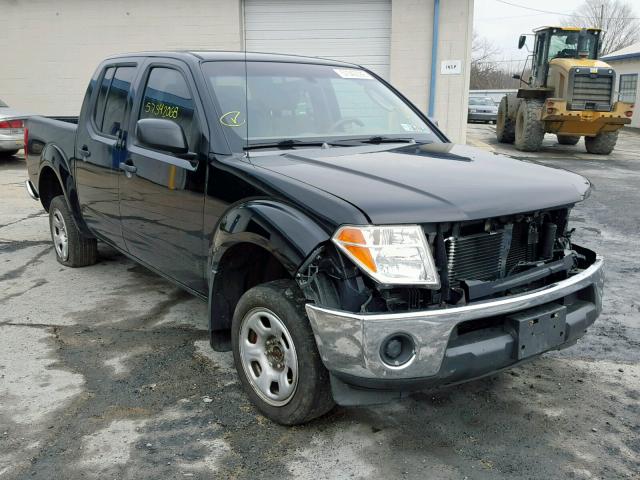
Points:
(49, 131)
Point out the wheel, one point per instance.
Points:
(505, 126)
(601, 144)
(276, 356)
(568, 139)
(8, 153)
(72, 248)
(529, 128)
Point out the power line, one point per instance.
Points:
(560, 13)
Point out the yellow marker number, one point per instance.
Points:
(161, 110)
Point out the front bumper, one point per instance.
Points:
(482, 116)
(350, 343)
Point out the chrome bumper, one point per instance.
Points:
(349, 343)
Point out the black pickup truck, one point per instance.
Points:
(349, 253)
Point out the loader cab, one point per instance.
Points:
(560, 42)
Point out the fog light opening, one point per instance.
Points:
(397, 349)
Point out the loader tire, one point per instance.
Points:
(529, 127)
(601, 144)
(568, 139)
(505, 126)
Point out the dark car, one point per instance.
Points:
(347, 250)
(482, 109)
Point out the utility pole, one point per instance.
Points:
(601, 16)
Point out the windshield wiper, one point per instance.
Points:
(377, 139)
(286, 144)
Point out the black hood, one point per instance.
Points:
(428, 183)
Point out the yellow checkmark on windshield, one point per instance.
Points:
(230, 119)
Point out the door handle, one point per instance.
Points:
(128, 168)
(84, 152)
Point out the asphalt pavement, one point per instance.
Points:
(106, 372)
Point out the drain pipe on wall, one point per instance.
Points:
(434, 58)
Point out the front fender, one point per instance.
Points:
(280, 229)
(284, 231)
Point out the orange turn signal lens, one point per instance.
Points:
(628, 113)
(351, 236)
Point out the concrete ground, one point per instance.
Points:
(105, 372)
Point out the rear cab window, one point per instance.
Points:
(111, 103)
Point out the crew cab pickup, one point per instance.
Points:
(349, 252)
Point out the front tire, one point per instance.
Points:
(276, 356)
(568, 139)
(72, 248)
(529, 127)
(601, 144)
(505, 126)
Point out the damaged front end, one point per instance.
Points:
(509, 289)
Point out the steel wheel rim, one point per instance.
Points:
(59, 235)
(268, 356)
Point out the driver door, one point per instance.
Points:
(162, 194)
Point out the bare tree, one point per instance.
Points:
(617, 18)
(486, 71)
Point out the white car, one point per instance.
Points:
(11, 130)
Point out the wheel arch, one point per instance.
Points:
(254, 242)
(55, 178)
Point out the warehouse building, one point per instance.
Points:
(626, 63)
(422, 47)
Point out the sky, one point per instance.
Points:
(502, 24)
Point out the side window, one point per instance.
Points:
(98, 112)
(628, 85)
(116, 100)
(167, 96)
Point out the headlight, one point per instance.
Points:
(391, 255)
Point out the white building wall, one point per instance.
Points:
(623, 67)
(411, 41)
(50, 49)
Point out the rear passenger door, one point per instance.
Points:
(99, 148)
(162, 194)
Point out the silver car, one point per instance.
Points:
(482, 109)
(11, 130)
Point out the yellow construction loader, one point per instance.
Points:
(569, 92)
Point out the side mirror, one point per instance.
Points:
(515, 76)
(162, 134)
(522, 41)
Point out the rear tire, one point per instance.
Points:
(271, 336)
(505, 127)
(72, 248)
(568, 139)
(529, 127)
(601, 144)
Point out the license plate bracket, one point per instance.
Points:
(538, 329)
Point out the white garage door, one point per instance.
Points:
(356, 31)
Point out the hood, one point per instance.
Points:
(428, 183)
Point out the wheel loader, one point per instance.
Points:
(569, 93)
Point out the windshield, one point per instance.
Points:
(296, 102)
(569, 44)
(481, 101)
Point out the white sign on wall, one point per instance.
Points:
(451, 67)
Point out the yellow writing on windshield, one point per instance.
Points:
(230, 119)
